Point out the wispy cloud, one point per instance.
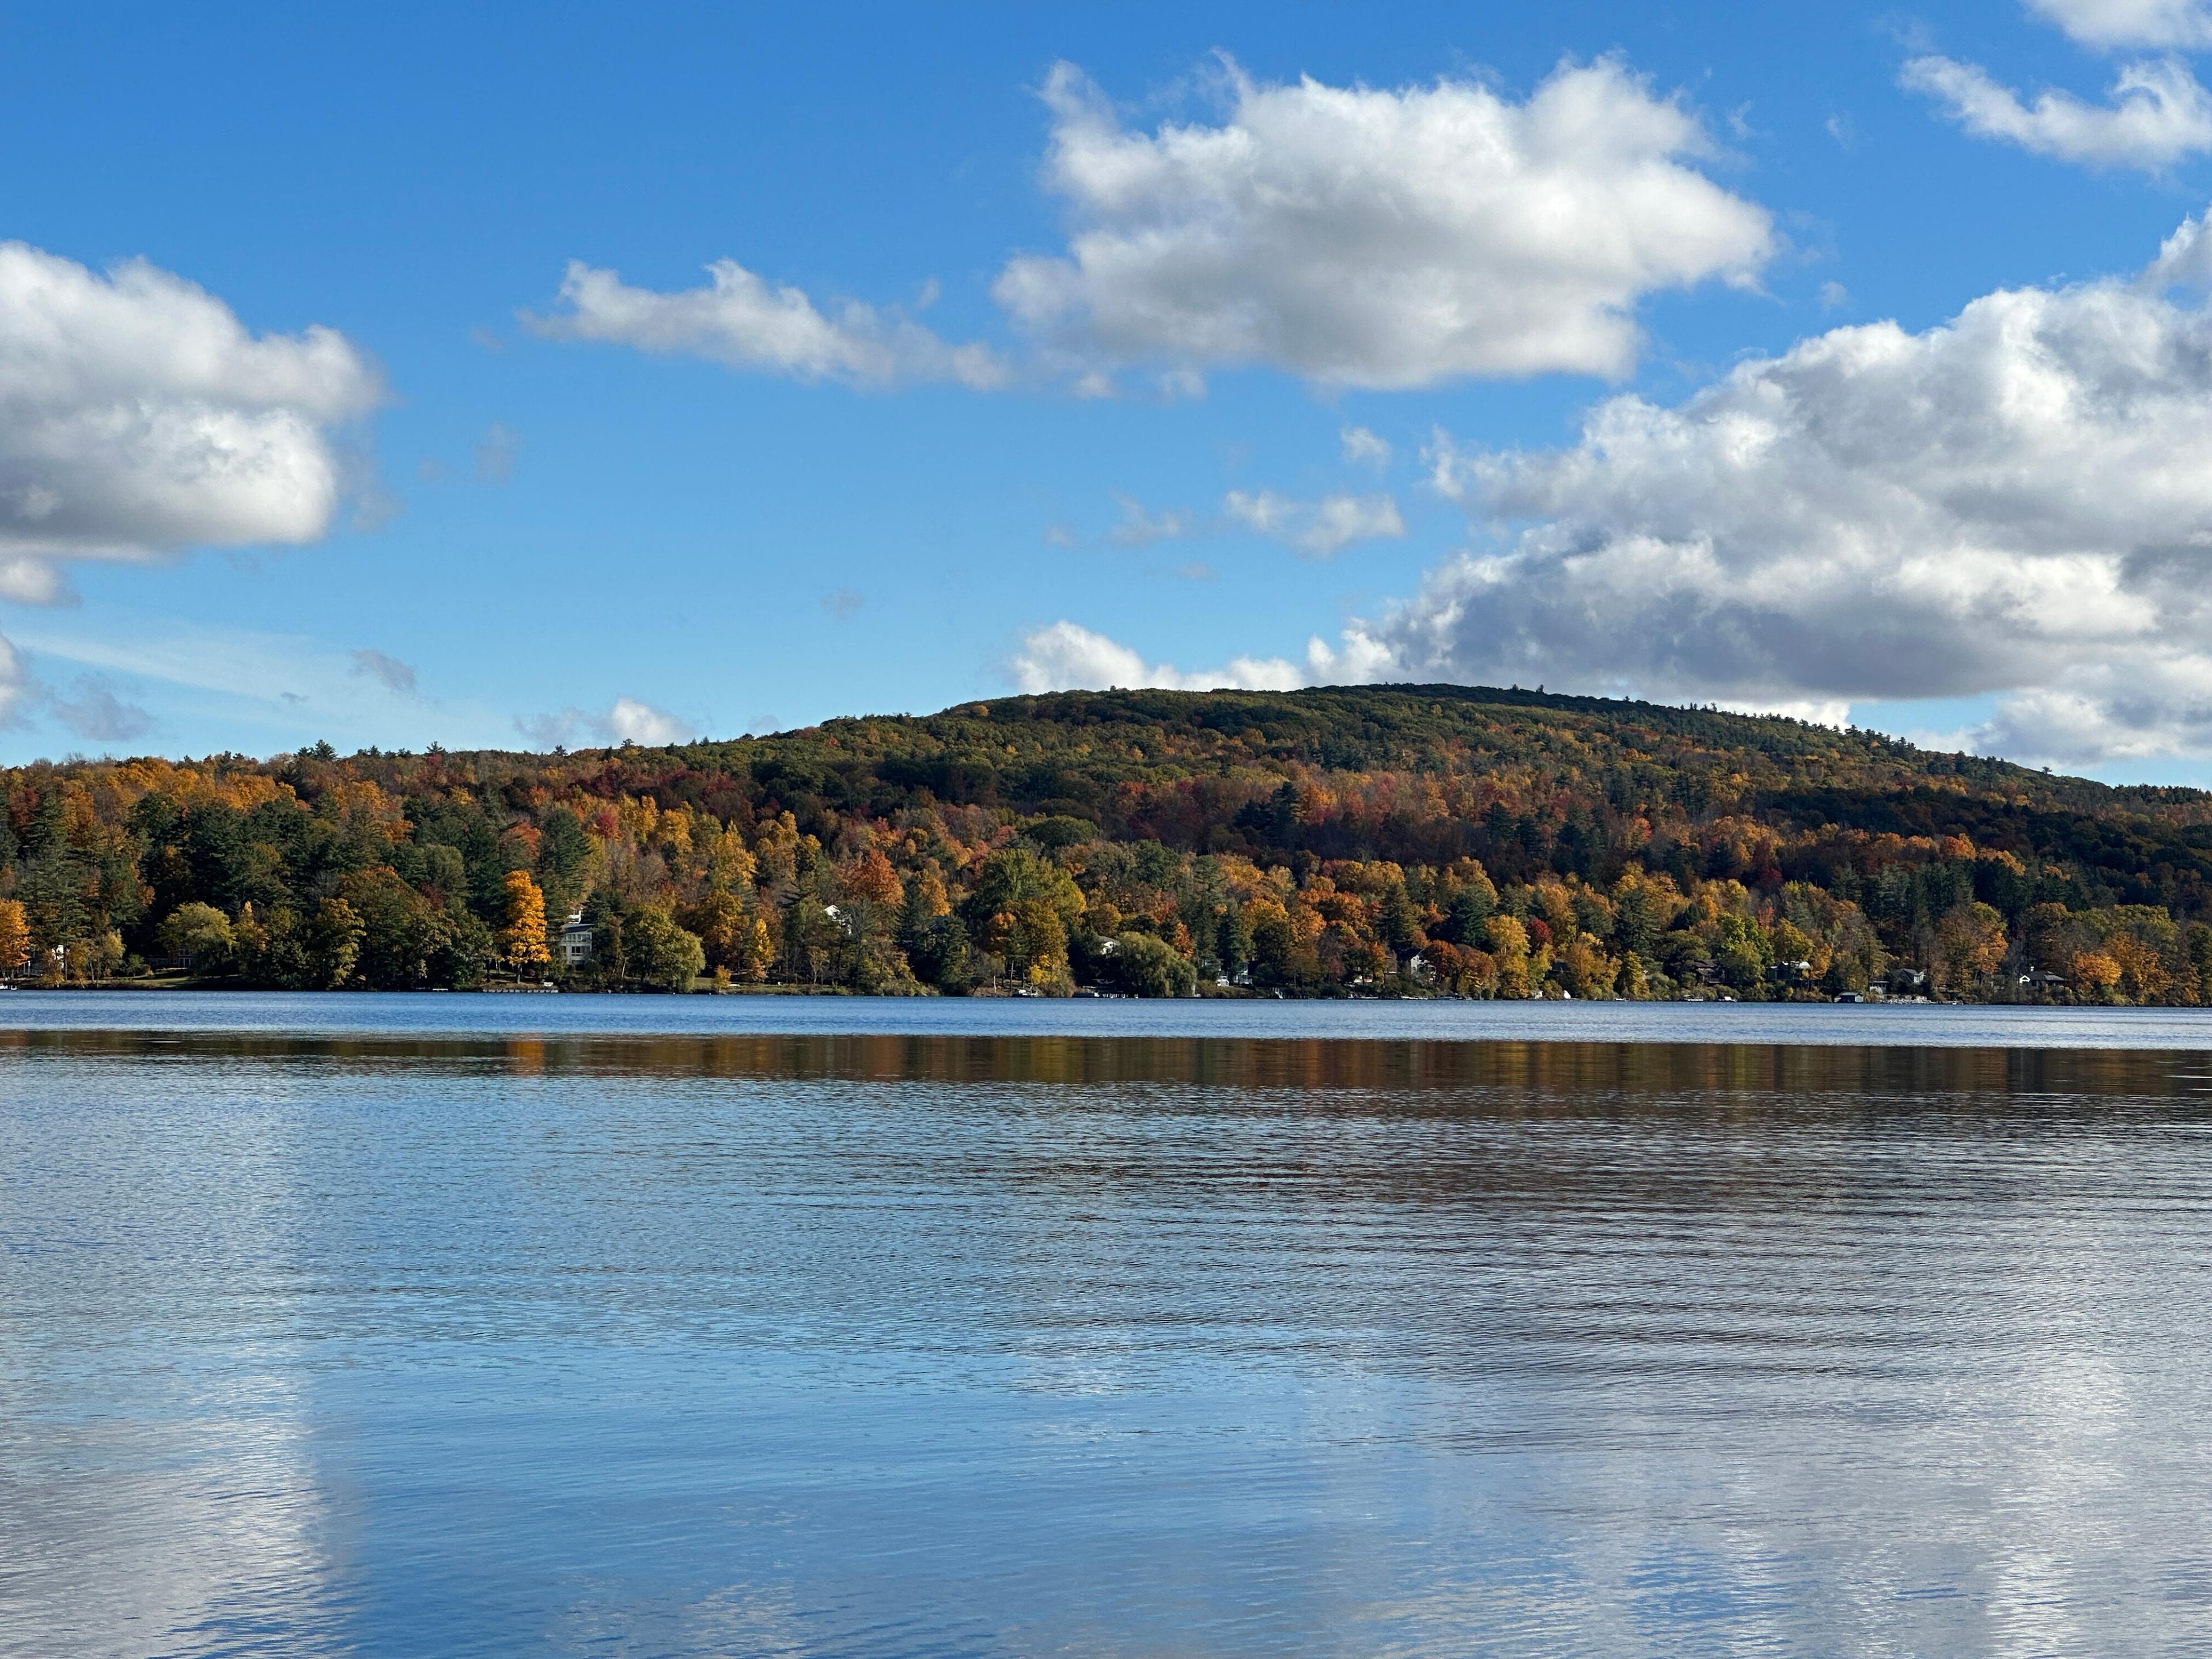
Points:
(97, 714)
(287, 688)
(1316, 529)
(1319, 530)
(495, 454)
(2157, 114)
(742, 322)
(2109, 25)
(1141, 527)
(1362, 448)
(388, 671)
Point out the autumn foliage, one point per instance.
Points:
(521, 938)
(14, 938)
(1385, 841)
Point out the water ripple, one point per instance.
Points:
(411, 1341)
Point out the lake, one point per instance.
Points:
(449, 1325)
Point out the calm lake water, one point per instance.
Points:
(447, 1326)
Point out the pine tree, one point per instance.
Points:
(1233, 939)
(1398, 925)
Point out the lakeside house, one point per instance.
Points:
(575, 941)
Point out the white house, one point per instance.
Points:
(575, 941)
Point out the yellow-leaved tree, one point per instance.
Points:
(522, 940)
(758, 951)
(723, 927)
(15, 937)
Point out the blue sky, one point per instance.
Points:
(545, 518)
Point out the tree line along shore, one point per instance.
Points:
(1376, 840)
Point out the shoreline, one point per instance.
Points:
(435, 1017)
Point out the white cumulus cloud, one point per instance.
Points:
(626, 720)
(1066, 657)
(2185, 258)
(632, 721)
(2145, 710)
(741, 322)
(2018, 502)
(1368, 237)
(34, 581)
(137, 417)
(2108, 25)
(2158, 113)
(138, 414)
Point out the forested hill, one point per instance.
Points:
(1073, 745)
(1403, 839)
